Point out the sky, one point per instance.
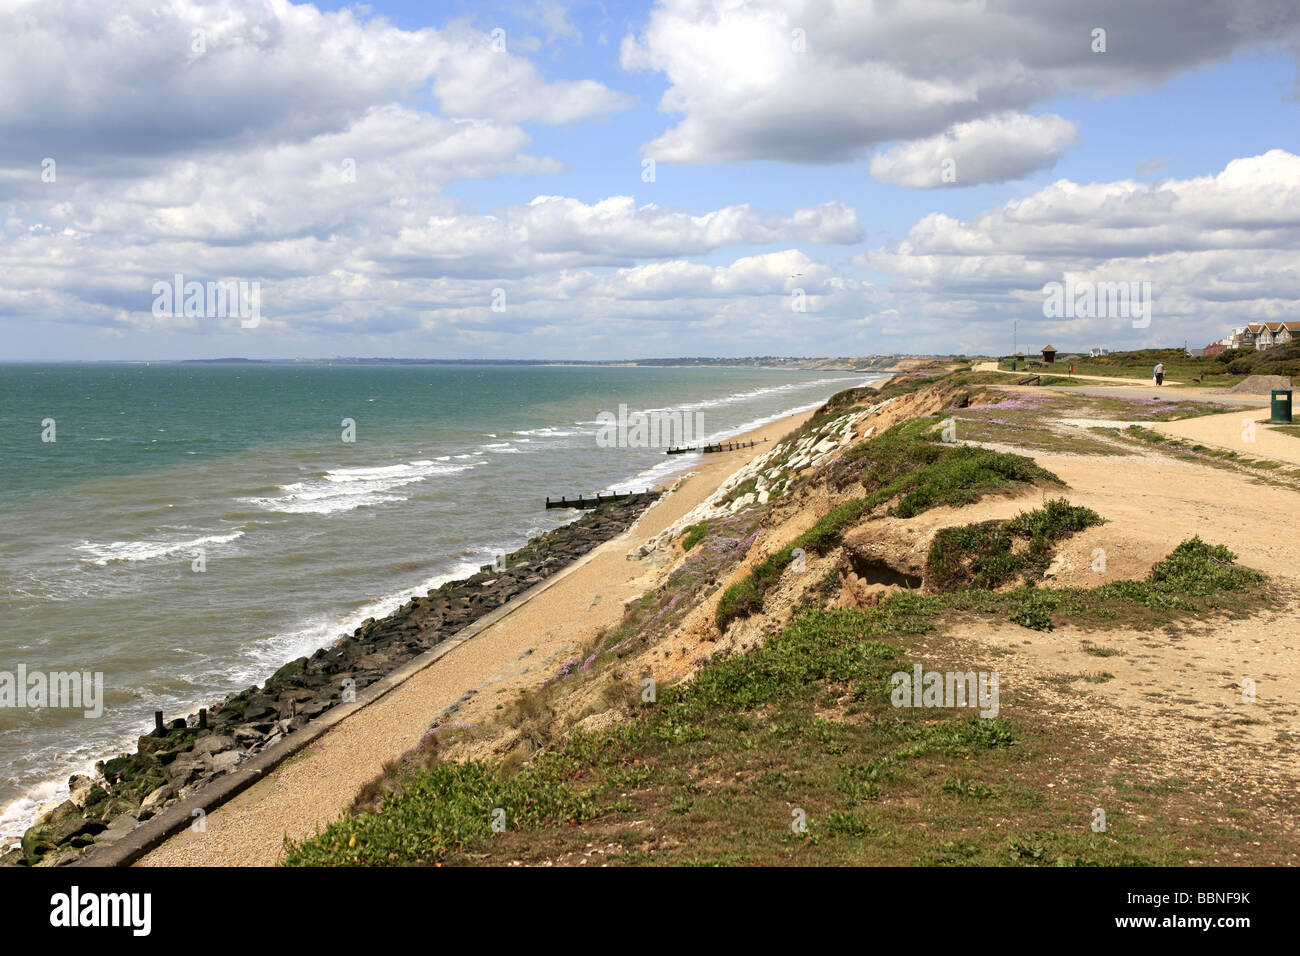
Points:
(557, 180)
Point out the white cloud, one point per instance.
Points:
(142, 78)
(869, 74)
(1217, 250)
(1007, 146)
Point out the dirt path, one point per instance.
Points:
(1242, 432)
(1130, 382)
(313, 788)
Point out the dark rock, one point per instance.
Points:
(247, 734)
(225, 761)
(314, 708)
(75, 826)
(258, 706)
(213, 744)
(184, 769)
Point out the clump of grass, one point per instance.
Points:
(830, 584)
(1034, 611)
(695, 534)
(1194, 576)
(909, 463)
(984, 555)
(1096, 651)
(969, 789)
(444, 809)
(1193, 569)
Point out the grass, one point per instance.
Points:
(1226, 369)
(802, 728)
(1028, 419)
(1179, 366)
(694, 534)
(991, 554)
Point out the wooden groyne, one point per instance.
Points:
(583, 501)
(706, 449)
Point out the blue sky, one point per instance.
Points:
(798, 204)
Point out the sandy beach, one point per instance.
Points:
(520, 650)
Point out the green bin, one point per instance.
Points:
(1281, 407)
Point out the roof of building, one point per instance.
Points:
(1049, 348)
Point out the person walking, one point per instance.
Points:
(1159, 372)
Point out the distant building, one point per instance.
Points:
(1049, 354)
(1269, 334)
(1098, 352)
(1244, 336)
(1213, 349)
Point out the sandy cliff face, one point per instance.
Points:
(672, 630)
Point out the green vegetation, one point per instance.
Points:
(802, 727)
(1227, 368)
(987, 555)
(908, 463)
(745, 597)
(718, 769)
(1179, 366)
(694, 534)
(1280, 360)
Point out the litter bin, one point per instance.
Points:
(1281, 407)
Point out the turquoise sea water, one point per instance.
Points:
(301, 534)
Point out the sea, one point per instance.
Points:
(183, 529)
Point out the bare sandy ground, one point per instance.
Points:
(532, 643)
(1242, 432)
(1182, 690)
(1178, 689)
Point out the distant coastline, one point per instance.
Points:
(869, 363)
